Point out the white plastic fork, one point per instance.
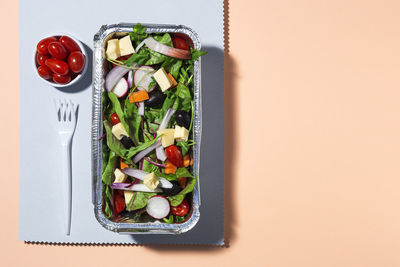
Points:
(66, 117)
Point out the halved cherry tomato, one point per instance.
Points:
(114, 119)
(180, 43)
(41, 59)
(182, 209)
(44, 72)
(43, 44)
(174, 155)
(57, 66)
(57, 50)
(76, 61)
(119, 203)
(61, 79)
(69, 44)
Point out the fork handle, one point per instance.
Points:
(66, 184)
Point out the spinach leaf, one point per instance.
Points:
(174, 70)
(108, 170)
(177, 199)
(184, 147)
(105, 153)
(155, 57)
(132, 117)
(148, 167)
(118, 109)
(140, 58)
(169, 177)
(164, 39)
(184, 98)
(183, 172)
(139, 200)
(107, 198)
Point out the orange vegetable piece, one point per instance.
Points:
(186, 160)
(182, 182)
(123, 165)
(169, 168)
(174, 83)
(138, 96)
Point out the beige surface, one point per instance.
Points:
(313, 117)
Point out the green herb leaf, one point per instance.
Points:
(169, 177)
(132, 118)
(183, 172)
(184, 147)
(170, 219)
(177, 199)
(175, 69)
(196, 54)
(184, 98)
(179, 218)
(108, 170)
(139, 200)
(138, 34)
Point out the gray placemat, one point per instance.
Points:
(41, 216)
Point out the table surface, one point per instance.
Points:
(312, 147)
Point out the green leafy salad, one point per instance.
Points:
(147, 125)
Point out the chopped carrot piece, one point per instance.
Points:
(191, 161)
(182, 182)
(169, 168)
(138, 96)
(174, 83)
(186, 160)
(123, 165)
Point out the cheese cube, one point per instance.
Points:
(151, 181)
(162, 79)
(128, 195)
(119, 131)
(125, 46)
(167, 137)
(113, 49)
(181, 133)
(120, 177)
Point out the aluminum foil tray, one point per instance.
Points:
(124, 226)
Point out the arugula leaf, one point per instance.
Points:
(107, 198)
(164, 39)
(179, 218)
(183, 172)
(175, 69)
(138, 34)
(169, 177)
(139, 200)
(177, 199)
(184, 147)
(140, 58)
(108, 170)
(148, 167)
(118, 109)
(105, 153)
(196, 54)
(168, 63)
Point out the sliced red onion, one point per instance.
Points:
(166, 50)
(130, 78)
(143, 77)
(166, 119)
(115, 75)
(160, 153)
(146, 151)
(141, 108)
(154, 163)
(135, 187)
(141, 175)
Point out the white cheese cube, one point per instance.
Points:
(181, 133)
(113, 49)
(167, 137)
(120, 177)
(162, 79)
(128, 195)
(151, 181)
(125, 46)
(119, 131)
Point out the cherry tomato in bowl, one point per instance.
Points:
(61, 47)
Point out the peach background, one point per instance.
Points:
(313, 126)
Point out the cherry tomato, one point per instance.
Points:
(174, 155)
(69, 44)
(45, 72)
(114, 118)
(119, 203)
(43, 44)
(76, 61)
(61, 79)
(182, 209)
(41, 59)
(180, 43)
(57, 66)
(57, 50)
(123, 58)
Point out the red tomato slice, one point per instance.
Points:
(76, 61)
(182, 209)
(69, 44)
(119, 203)
(114, 119)
(174, 155)
(43, 44)
(180, 43)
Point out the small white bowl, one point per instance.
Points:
(78, 77)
